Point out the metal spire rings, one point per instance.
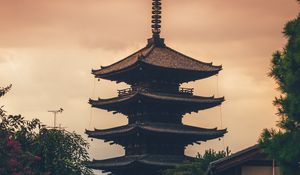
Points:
(156, 17)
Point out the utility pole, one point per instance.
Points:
(55, 112)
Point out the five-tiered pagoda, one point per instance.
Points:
(154, 138)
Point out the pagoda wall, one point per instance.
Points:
(157, 86)
(155, 116)
(155, 148)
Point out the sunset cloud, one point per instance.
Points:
(48, 48)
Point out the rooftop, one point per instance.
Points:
(161, 57)
(251, 154)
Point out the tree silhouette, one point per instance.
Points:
(29, 148)
(284, 144)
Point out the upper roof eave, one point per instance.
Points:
(142, 54)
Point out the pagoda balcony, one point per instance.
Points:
(129, 91)
(125, 92)
(187, 91)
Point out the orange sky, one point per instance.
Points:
(48, 48)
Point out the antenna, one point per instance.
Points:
(55, 112)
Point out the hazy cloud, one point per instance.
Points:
(110, 24)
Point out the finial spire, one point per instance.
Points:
(156, 18)
(156, 25)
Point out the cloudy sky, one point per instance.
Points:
(48, 48)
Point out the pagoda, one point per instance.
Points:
(155, 137)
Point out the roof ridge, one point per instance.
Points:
(150, 50)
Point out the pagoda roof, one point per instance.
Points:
(189, 133)
(158, 56)
(198, 102)
(127, 161)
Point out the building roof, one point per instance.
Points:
(163, 57)
(150, 160)
(236, 159)
(198, 102)
(186, 132)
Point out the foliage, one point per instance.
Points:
(14, 157)
(63, 152)
(4, 90)
(199, 165)
(29, 148)
(284, 145)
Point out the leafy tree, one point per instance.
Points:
(63, 152)
(199, 165)
(15, 158)
(284, 145)
(29, 148)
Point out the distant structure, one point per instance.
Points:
(250, 161)
(55, 112)
(155, 138)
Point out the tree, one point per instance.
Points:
(199, 165)
(29, 148)
(13, 159)
(4, 90)
(15, 136)
(284, 144)
(62, 152)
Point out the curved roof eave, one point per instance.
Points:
(141, 55)
(158, 128)
(159, 96)
(154, 160)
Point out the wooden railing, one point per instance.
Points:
(128, 91)
(124, 92)
(188, 91)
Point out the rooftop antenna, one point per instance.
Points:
(55, 112)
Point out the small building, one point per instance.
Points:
(250, 161)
